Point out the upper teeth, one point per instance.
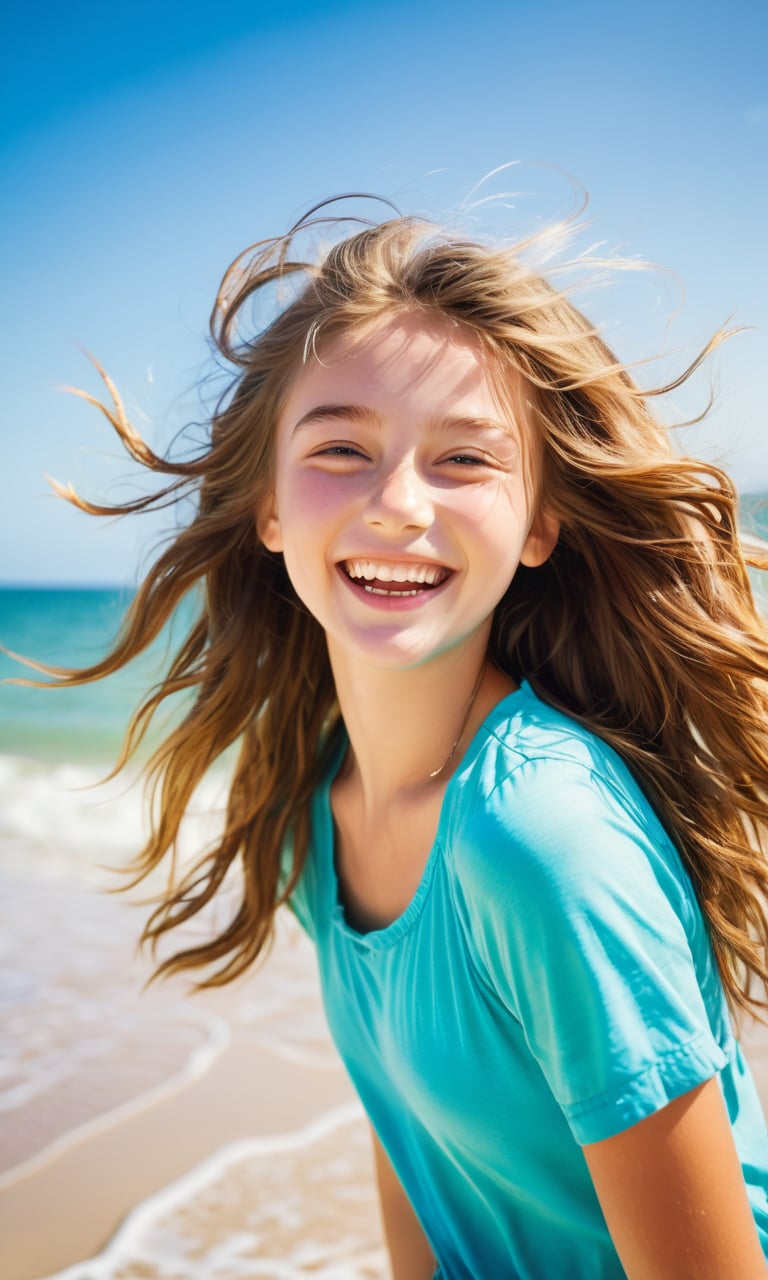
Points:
(371, 569)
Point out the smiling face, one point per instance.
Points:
(402, 499)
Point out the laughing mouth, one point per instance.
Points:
(394, 579)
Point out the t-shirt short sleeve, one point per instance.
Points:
(587, 927)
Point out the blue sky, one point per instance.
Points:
(145, 144)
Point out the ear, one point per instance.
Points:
(268, 524)
(542, 539)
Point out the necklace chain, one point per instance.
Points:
(465, 721)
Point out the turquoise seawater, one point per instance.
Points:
(75, 626)
(69, 627)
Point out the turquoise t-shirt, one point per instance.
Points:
(550, 984)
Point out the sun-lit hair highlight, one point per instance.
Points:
(641, 624)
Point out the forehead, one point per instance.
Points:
(428, 362)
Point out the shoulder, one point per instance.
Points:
(525, 737)
(544, 806)
(536, 771)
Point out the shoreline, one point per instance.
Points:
(68, 1209)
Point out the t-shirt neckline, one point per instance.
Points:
(388, 935)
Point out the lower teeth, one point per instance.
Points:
(379, 591)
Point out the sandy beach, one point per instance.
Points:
(150, 1131)
(223, 1123)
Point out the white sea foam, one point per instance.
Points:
(63, 819)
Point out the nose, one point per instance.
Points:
(400, 499)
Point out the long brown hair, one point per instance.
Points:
(641, 624)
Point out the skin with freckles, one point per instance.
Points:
(396, 467)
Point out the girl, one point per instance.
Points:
(488, 648)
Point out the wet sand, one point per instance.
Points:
(111, 1096)
(67, 1209)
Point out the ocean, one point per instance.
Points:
(153, 1133)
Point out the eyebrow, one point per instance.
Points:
(360, 413)
(347, 412)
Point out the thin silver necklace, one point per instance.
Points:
(465, 721)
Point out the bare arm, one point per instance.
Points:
(409, 1251)
(673, 1194)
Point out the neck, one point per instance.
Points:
(408, 730)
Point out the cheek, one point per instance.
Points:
(310, 496)
(498, 516)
